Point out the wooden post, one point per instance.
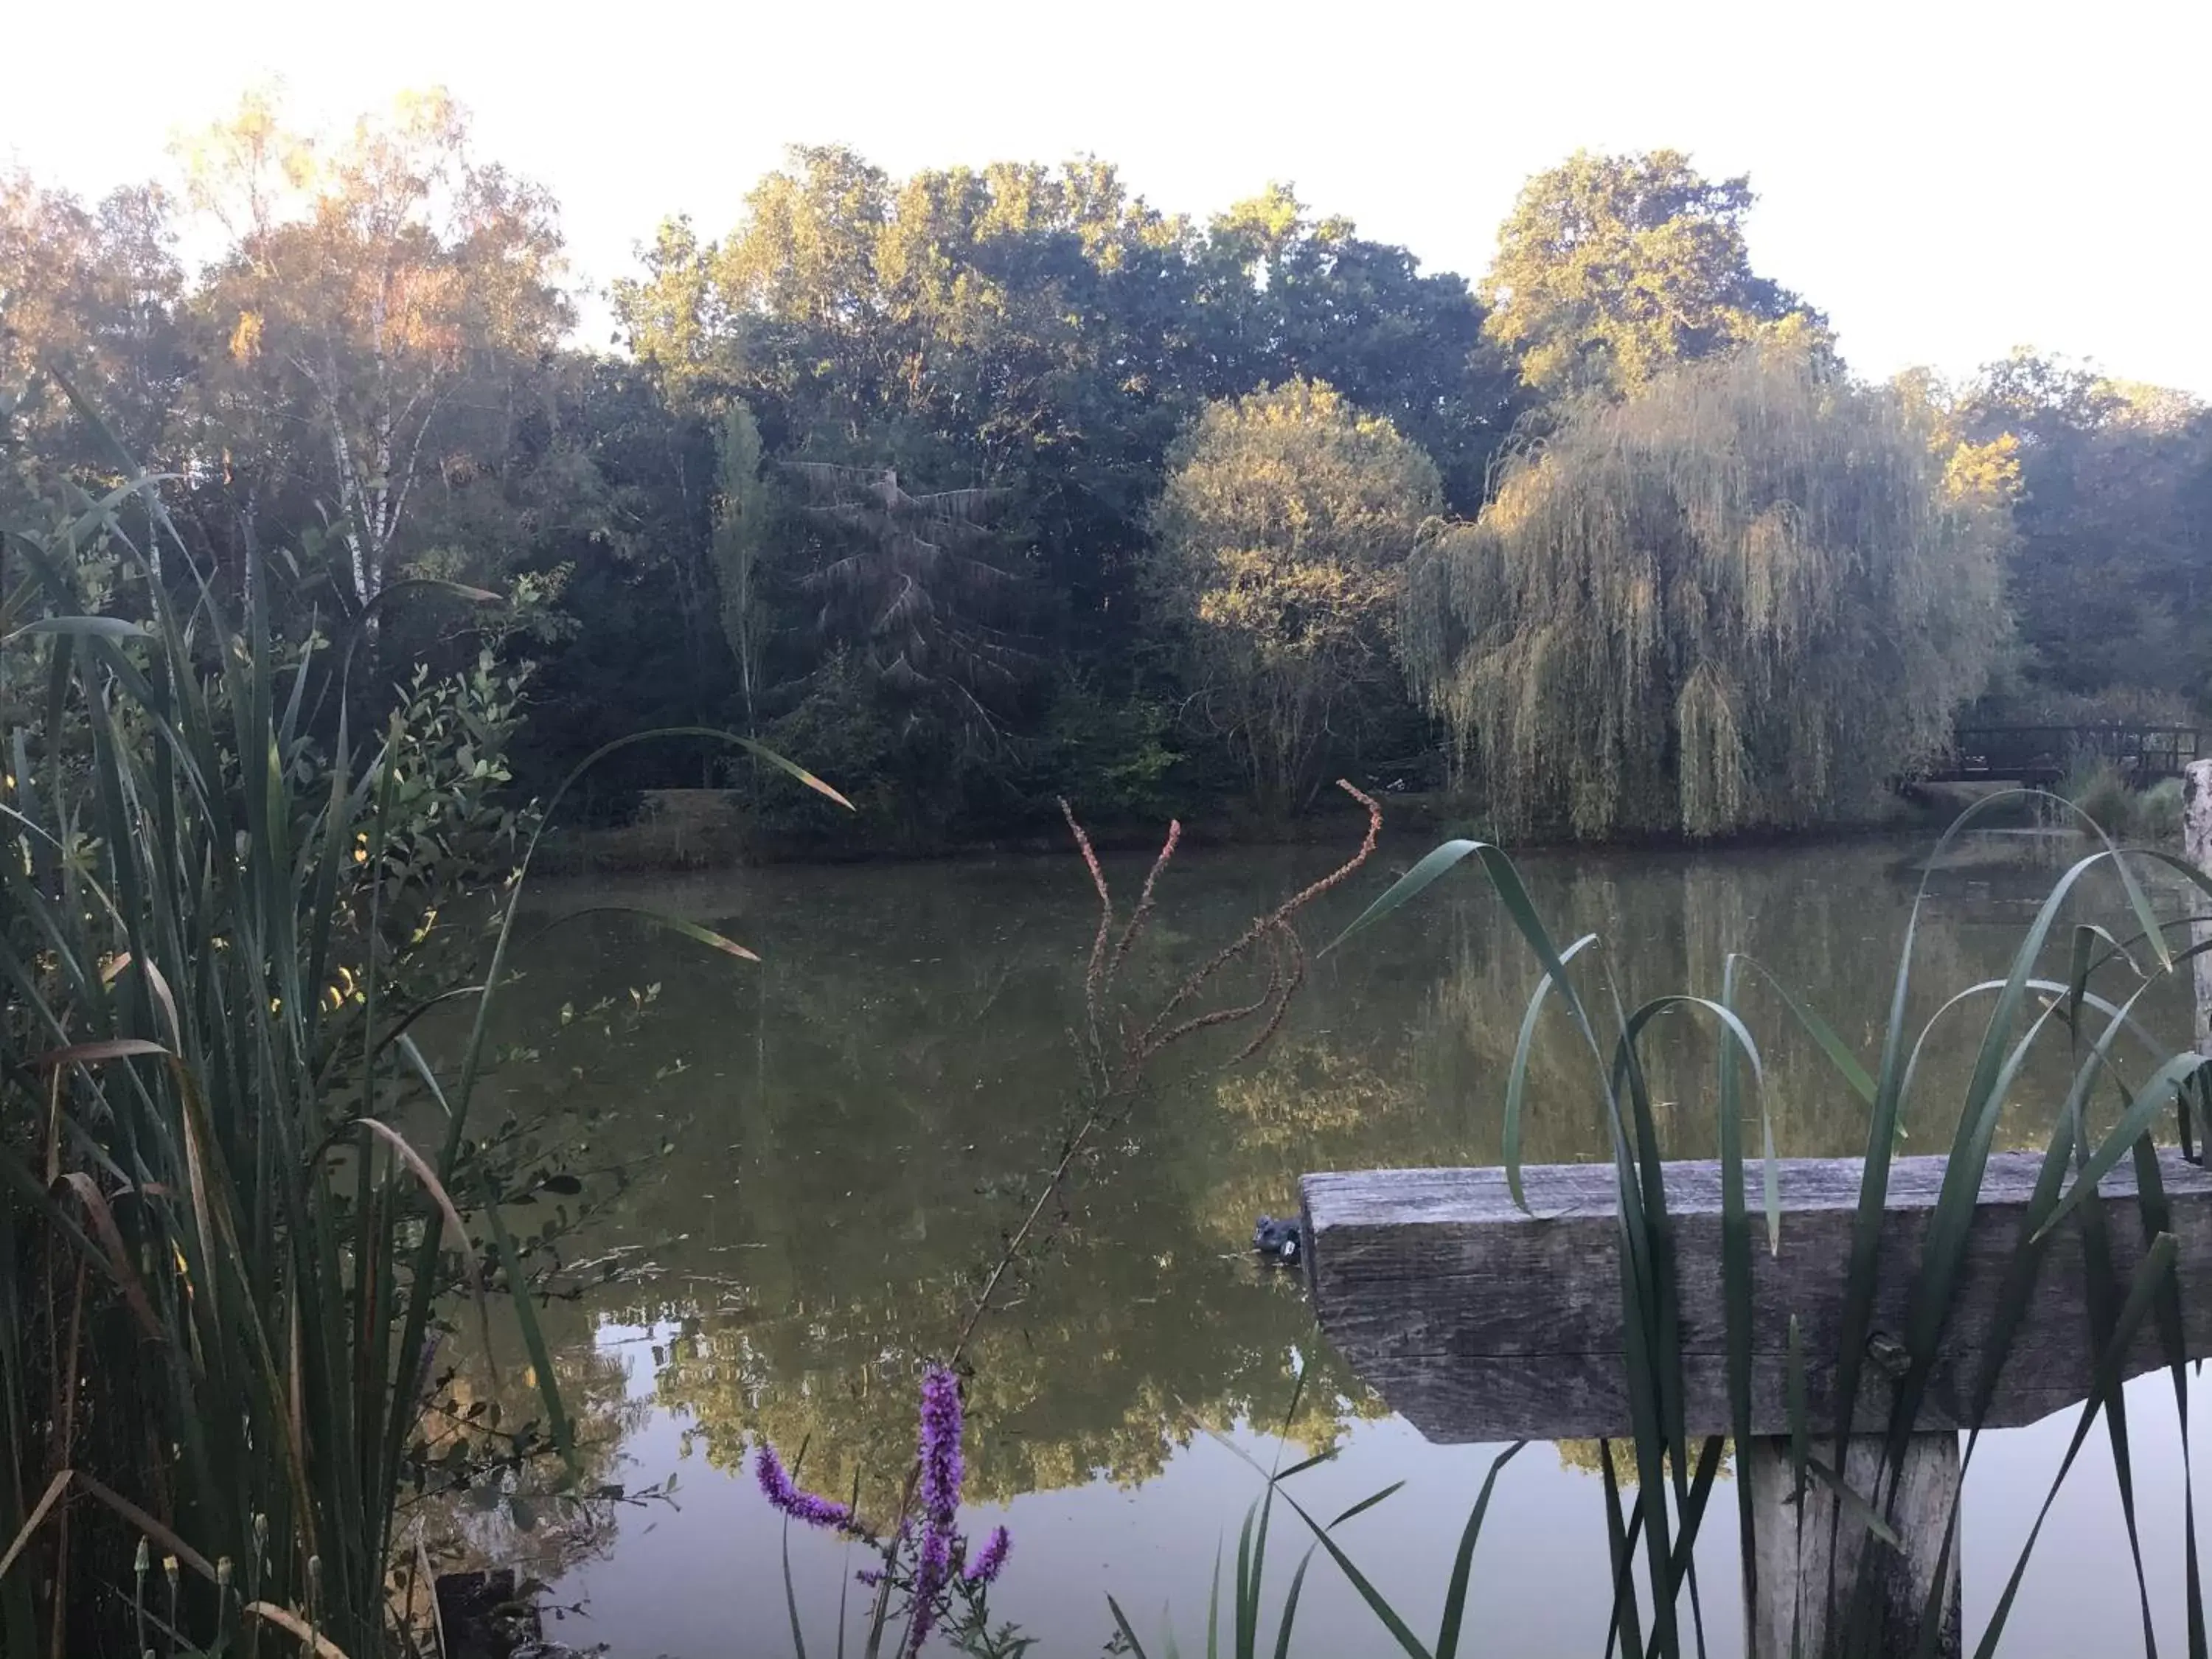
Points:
(1478, 1322)
(1788, 1606)
(2197, 837)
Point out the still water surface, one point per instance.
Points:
(821, 1154)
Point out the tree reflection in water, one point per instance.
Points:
(826, 1176)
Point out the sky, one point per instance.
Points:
(1948, 178)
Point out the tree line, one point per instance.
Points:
(982, 486)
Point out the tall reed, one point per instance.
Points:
(227, 1259)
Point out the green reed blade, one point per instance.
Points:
(1367, 1504)
(1735, 1267)
(1213, 1608)
(1623, 1627)
(1122, 1624)
(1376, 1602)
(1246, 1608)
(106, 627)
(2147, 1106)
(1455, 1613)
(2158, 1217)
(1516, 1079)
(790, 1597)
(659, 918)
(1291, 1604)
(1853, 1503)
(1863, 1266)
(2156, 1264)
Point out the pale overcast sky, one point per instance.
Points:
(1947, 179)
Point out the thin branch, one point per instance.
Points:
(1279, 916)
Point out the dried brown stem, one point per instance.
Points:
(1214, 1017)
(1148, 1043)
(1294, 950)
(1093, 976)
(1143, 910)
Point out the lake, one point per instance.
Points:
(800, 1171)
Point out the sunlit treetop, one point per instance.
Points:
(1612, 269)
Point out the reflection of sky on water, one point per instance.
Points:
(702, 1579)
(838, 1150)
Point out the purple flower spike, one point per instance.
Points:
(799, 1505)
(941, 1462)
(941, 1471)
(932, 1572)
(985, 1567)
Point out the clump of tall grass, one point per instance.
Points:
(227, 1262)
(2111, 803)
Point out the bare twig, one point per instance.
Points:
(1094, 976)
(1150, 1043)
(1143, 910)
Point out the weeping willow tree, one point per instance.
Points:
(1742, 600)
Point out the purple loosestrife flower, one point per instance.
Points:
(985, 1567)
(932, 1572)
(942, 1468)
(799, 1505)
(941, 1462)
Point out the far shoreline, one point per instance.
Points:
(696, 830)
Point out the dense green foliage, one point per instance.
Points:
(1282, 537)
(882, 473)
(1742, 598)
(1611, 269)
(226, 1268)
(2111, 585)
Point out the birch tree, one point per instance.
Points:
(382, 291)
(741, 514)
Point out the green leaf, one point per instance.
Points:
(1414, 882)
(1516, 1079)
(1291, 1604)
(791, 1598)
(1366, 1503)
(104, 628)
(2150, 1275)
(1861, 1513)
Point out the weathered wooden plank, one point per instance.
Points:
(1791, 1609)
(1478, 1322)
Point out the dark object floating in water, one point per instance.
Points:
(1278, 1241)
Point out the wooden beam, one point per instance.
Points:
(1479, 1322)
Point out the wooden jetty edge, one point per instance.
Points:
(1477, 1321)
